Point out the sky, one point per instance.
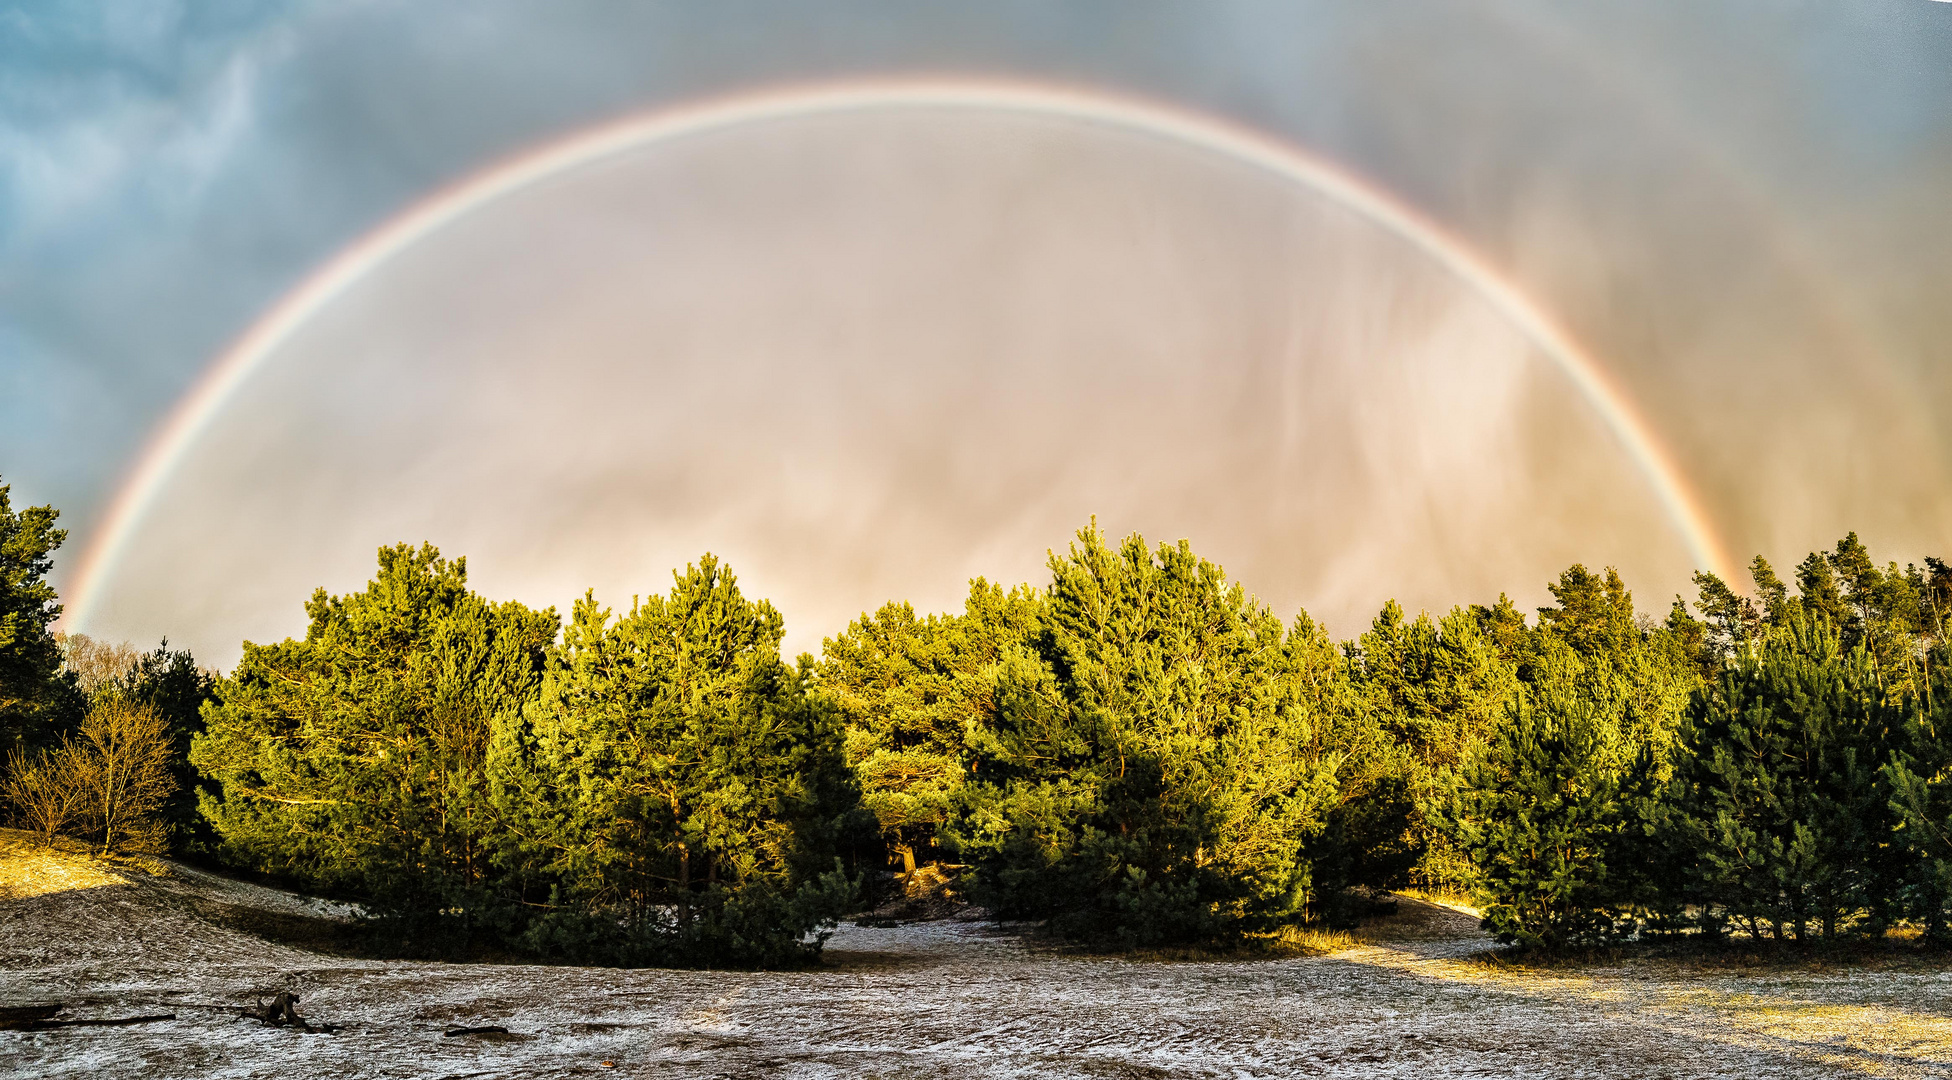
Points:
(869, 357)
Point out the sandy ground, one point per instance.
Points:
(928, 999)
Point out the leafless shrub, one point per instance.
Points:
(41, 788)
(119, 764)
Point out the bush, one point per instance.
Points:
(39, 787)
(120, 764)
(1777, 816)
(106, 782)
(1540, 818)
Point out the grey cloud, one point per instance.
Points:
(1741, 205)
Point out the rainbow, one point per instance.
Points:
(207, 398)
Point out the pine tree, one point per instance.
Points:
(169, 682)
(1694, 639)
(1540, 815)
(1732, 620)
(1919, 775)
(1438, 690)
(908, 690)
(1149, 773)
(1776, 808)
(352, 760)
(1504, 626)
(674, 786)
(1819, 595)
(1640, 677)
(1594, 614)
(1771, 594)
(39, 701)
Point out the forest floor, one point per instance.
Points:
(1417, 995)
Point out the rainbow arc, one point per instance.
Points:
(195, 411)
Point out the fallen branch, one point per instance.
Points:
(13, 1016)
(488, 1030)
(120, 1021)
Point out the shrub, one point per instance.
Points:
(120, 764)
(1777, 815)
(43, 794)
(1539, 815)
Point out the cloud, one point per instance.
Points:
(123, 111)
(1739, 205)
(870, 357)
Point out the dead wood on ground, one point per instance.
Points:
(41, 1018)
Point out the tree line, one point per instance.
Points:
(1135, 753)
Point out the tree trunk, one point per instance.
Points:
(684, 885)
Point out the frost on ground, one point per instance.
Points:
(926, 999)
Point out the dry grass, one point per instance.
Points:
(1307, 941)
(1456, 901)
(41, 868)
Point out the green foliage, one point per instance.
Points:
(1920, 778)
(1540, 813)
(351, 761)
(1140, 754)
(1438, 689)
(169, 683)
(1731, 621)
(1594, 614)
(909, 691)
(1776, 809)
(674, 778)
(1154, 764)
(39, 702)
(660, 790)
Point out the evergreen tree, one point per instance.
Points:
(1503, 625)
(1694, 639)
(39, 701)
(1771, 594)
(1540, 814)
(351, 760)
(1438, 689)
(1149, 772)
(169, 683)
(1731, 619)
(1594, 614)
(674, 788)
(1935, 597)
(1919, 775)
(1776, 809)
(1640, 677)
(1923, 802)
(908, 690)
(1859, 581)
(1374, 834)
(1819, 595)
